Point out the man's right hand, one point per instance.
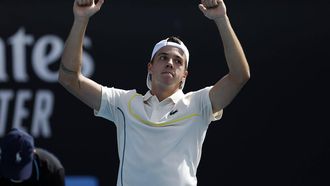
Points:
(84, 9)
(213, 9)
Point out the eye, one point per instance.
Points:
(178, 61)
(163, 57)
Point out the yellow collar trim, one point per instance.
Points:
(163, 124)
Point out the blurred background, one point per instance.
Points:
(276, 132)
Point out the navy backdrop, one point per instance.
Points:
(274, 133)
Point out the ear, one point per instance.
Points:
(149, 66)
(185, 74)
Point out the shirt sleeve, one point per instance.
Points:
(112, 99)
(203, 99)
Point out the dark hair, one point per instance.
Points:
(175, 39)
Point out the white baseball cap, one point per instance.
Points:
(162, 44)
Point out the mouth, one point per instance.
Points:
(168, 73)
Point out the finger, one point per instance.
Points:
(212, 4)
(84, 2)
(202, 8)
(219, 2)
(99, 3)
(215, 3)
(80, 2)
(206, 3)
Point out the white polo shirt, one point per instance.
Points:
(159, 143)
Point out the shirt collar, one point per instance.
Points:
(174, 97)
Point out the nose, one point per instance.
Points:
(169, 63)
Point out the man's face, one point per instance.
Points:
(168, 68)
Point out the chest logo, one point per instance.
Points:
(173, 112)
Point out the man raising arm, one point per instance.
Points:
(224, 91)
(70, 75)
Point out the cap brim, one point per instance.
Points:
(18, 173)
(25, 172)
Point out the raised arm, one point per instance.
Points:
(70, 75)
(225, 90)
